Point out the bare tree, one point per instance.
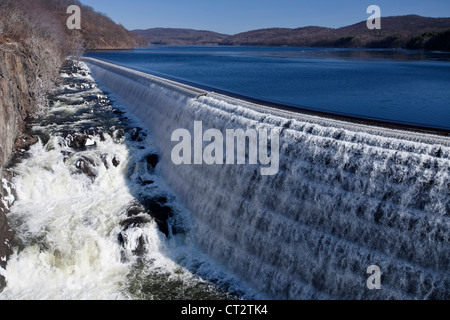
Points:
(76, 45)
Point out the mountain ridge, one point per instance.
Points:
(174, 36)
(408, 31)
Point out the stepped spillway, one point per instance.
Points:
(347, 196)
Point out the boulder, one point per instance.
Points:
(115, 162)
(25, 142)
(77, 142)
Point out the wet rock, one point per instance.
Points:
(127, 238)
(141, 137)
(66, 155)
(80, 141)
(134, 222)
(139, 246)
(152, 161)
(118, 112)
(135, 211)
(157, 208)
(162, 200)
(77, 142)
(120, 238)
(104, 158)
(118, 135)
(91, 132)
(163, 226)
(145, 182)
(136, 134)
(115, 162)
(44, 137)
(437, 152)
(86, 166)
(25, 142)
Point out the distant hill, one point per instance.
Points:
(410, 31)
(170, 36)
(279, 37)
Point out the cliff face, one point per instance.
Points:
(13, 98)
(25, 76)
(17, 99)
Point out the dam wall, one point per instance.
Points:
(347, 196)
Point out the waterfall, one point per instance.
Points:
(347, 196)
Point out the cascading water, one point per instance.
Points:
(346, 197)
(94, 219)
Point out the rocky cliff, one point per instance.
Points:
(26, 74)
(24, 79)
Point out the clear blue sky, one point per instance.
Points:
(234, 16)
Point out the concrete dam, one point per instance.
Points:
(347, 196)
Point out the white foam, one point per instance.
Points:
(9, 198)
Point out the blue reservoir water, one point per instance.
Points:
(396, 85)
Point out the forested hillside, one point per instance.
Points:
(412, 32)
(172, 36)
